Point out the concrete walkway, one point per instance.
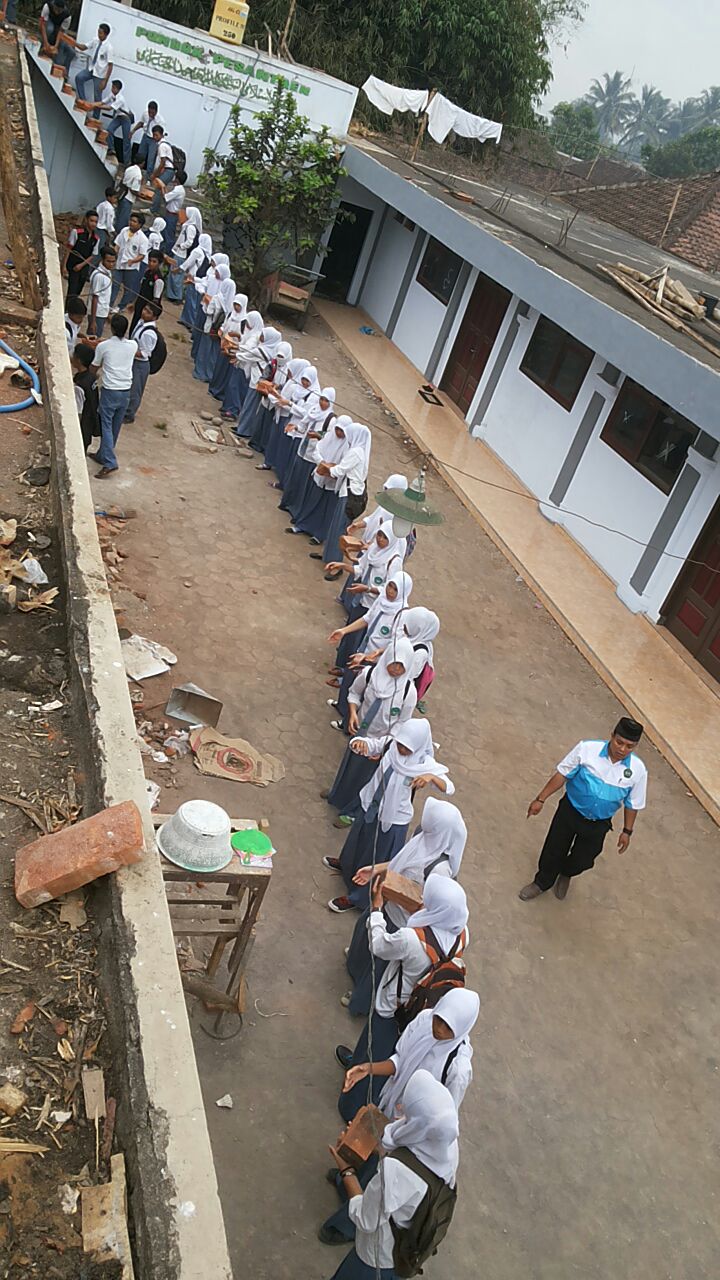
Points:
(679, 710)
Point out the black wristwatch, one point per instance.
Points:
(627, 831)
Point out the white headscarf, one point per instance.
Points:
(235, 319)
(219, 260)
(429, 1127)
(359, 438)
(444, 910)
(219, 271)
(296, 367)
(442, 833)
(194, 217)
(421, 627)
(226, 292)
(380, 617)
(380, 515)
(196, 256)
(331, 448)
(374, 565)
(282, 356)
(417, 1049)
(416, 735)
(158, 226)
(270, 341)
(383, 685)
(205, 243)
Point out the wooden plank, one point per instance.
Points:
(15, 313)
(93, 1085)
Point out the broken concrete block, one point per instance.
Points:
(75, 856)
(12, 1100)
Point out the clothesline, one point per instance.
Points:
(443, 116)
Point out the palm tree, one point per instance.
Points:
(683, 118)
(647, 121)
(612, 102)
(709, 106)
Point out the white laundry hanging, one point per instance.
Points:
(389, 98)
(444, 116)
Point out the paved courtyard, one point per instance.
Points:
(588, 1138)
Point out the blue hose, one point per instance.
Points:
(23, 404)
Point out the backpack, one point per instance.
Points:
(158, 355)
(179, 160)
(443, 975)
(426, 1230)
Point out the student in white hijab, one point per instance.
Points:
(437, 933)
(437, 1041)
(286, 378)
(270, 348)
(258, 358)
(156, 237)
(313, 424)
(218, 307)
(437, 847)
(383, 558)
(197, 264)
(406, 765)
(206, 287)
(429, 1131)
(362, 530)
(235, 340)
(317, 510)
(231, 329)
(376, 627)
(186, 240)
(296, 392)
(351, 477)
(422, 627)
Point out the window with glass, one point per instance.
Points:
(439, 271)
(649, 435)
(557, 362)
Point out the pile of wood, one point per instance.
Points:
(664, 297)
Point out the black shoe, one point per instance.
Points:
(344, 1056)
(94, 456)
(316, 555)
(128, 419)
(315, 542)
(330, 1235)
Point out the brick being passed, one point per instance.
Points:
(68, 859)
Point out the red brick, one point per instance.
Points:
(361, 1137)
(70, 858)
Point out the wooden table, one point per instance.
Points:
(228, 918)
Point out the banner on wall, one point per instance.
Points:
(201, 63)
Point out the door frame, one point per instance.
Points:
(680, 586)
(441, 374)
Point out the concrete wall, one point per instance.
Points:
(176, 1221)
(194, 85)
(530, 431)
(76, 177)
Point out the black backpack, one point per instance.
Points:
(422, 1236)
(179, 160)
(158, 355)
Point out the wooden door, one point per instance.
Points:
(693, 608)
(475, 340)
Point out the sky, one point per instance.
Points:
(672, 44)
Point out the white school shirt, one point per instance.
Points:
(397, 797)
(401, 948)
(114, 358)
(397, 1192)
(145, 335)
(100, 288)
(132, 177)
(71, 333)
(351, 471)
(175, 199)
(193, 260)
(151, 122)
(129, 245)
(185, 239)
(99, 55)
(164, 152)
(114, 102)
(155, 239)
(106, 216)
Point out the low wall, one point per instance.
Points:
(176, 1220)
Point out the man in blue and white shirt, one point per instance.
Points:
(599, 778)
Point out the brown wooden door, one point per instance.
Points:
(693, 609)
(475, 340)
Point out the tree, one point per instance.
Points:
(489, 56)
(648, 118)
(697, 152)
(683, 117)
(276, 189)
(708, 105)
(573, 129)
(612, 103)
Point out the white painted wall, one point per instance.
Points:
(390, 259)
(418, 323)
(195, 90)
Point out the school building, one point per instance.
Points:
(606, 414)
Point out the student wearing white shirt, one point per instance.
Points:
(132, 250)
(106, 217)
(173, 196)
(164, 170)
(420, 1157)
(121, 121)
(147, 147)
(99, 67)
(131, 184)
(145, 334)
(55, 19)
(114, 358)
(101, 282)
(187, 238)
(75, 312)
(350, 475)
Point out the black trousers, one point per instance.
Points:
(571, 845)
